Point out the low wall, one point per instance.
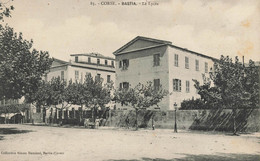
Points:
(217, 120)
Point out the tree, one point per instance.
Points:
(234, 86)
(51, 93)
(21, 66)
(140, 97)
(90, 93)
(5, 11)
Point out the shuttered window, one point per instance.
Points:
(156, 83)
(186, 62)
(177, 85)
(187, 86)
(156, 59)
(176, 60)
(197, 65)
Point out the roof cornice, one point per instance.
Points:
(135, 50)
(163, 42)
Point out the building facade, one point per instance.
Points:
(145, 59)
(80, 65)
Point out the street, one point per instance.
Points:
(27, 142)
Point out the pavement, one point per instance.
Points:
(27, 142)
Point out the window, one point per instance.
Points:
(176, 60)
(197, 65)
(187, 86)
(89, 59)
(206, 67)
(186, 62)
(62, 75)
(156, 59)
(108, 78)
(76, 59)
(105, 62)
(76, 75)
(124, 85)
(112, 63)
(125, 64)
(177, 85)
(98, 61)
(156, 84)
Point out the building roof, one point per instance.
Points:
(193, 52)
(60, 61)
(141, 38)
(96, 55)
(160, 42)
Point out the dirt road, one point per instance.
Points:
(25, 142)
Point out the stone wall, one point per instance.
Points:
(207, 120)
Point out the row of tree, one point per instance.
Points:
(92, 94)
(231, 85)
(61, 95)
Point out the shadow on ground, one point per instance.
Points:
(7, 131)
(220, 157)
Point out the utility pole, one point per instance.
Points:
(175, 124)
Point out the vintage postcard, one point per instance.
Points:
(129, 80)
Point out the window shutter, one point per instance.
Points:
(120, 64)
(127, 62)
(154, 60)
(120, 86)
(180, 85)
(174, 85)
(158, 59)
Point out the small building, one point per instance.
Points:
(145, 59)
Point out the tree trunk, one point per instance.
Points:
(80, 114)
(5, 118)
(234, 122)
(136, 118)
(5, 109)
(56, 115)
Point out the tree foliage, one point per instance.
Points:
(14, 108)
(5, 10)
(140, 97)
(21, 66)
(234, 85)
(90, 93)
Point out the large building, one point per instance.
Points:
(80, 65)
(146, 59)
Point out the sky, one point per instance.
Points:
(210, 27)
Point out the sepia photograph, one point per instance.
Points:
(129, 80)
